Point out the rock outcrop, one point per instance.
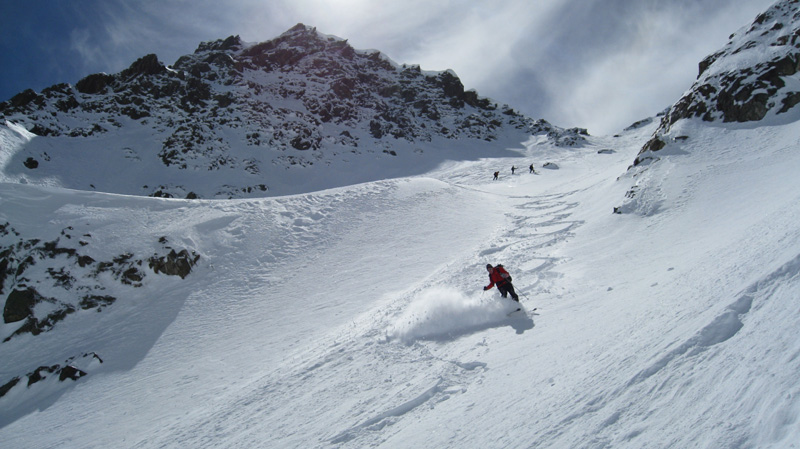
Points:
(746, 80)
(302, 99)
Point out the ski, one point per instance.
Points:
(520, 308)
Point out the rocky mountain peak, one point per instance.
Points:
(230, 43)
(746, 80)
(301, 100)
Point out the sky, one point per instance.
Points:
(595, 64)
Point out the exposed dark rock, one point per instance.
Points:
(36, 326)
(146, 65)
(94, 84)
(706, 63)
(174, 264)
(161, 194)
(223, 101)
(70, 369)
(4, 271)
(25, 98)
(19, 305)
(41, 373)
(451, 85)
(654, 144)
(751, 110)
(70, 372)
(31, 163)
(735, 93)
(67, 104)
(376, 129)
(40, 130)
(230, 43)
(134, 113)
(62, 277)
(132, 276)
(99, 301)
(80, 289)
(84, 261)
(8, 386)
(639, 124)
(791, 100)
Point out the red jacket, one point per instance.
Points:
(498, 275)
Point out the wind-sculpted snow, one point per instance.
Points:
(728, 323)
(722, 328)
(444, 313)
(355, 317)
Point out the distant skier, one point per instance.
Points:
(498, 275)
(531, 169)
(496, 174)
(512, 169)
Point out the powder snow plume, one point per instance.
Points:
(444, 313)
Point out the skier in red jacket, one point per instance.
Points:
(498, 275)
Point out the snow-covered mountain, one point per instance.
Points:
(753, 78)
(355, 316)
(245, 120)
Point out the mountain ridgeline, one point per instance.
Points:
(753, 78)
(228, 120)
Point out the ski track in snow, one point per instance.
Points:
(363, 349)
(398, 353)
(703, 367)
(354, 317)
(535, 224)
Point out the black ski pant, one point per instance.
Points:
(506, 288)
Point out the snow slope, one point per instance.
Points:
(355, 317)
(299, 113)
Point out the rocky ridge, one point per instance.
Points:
(45, 281)
(752, 77)
(301, 99)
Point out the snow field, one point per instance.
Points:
(354, 317)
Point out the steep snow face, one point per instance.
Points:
(299, 113)
(355, 317)
(752, 78)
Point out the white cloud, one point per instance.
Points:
(604, 65)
